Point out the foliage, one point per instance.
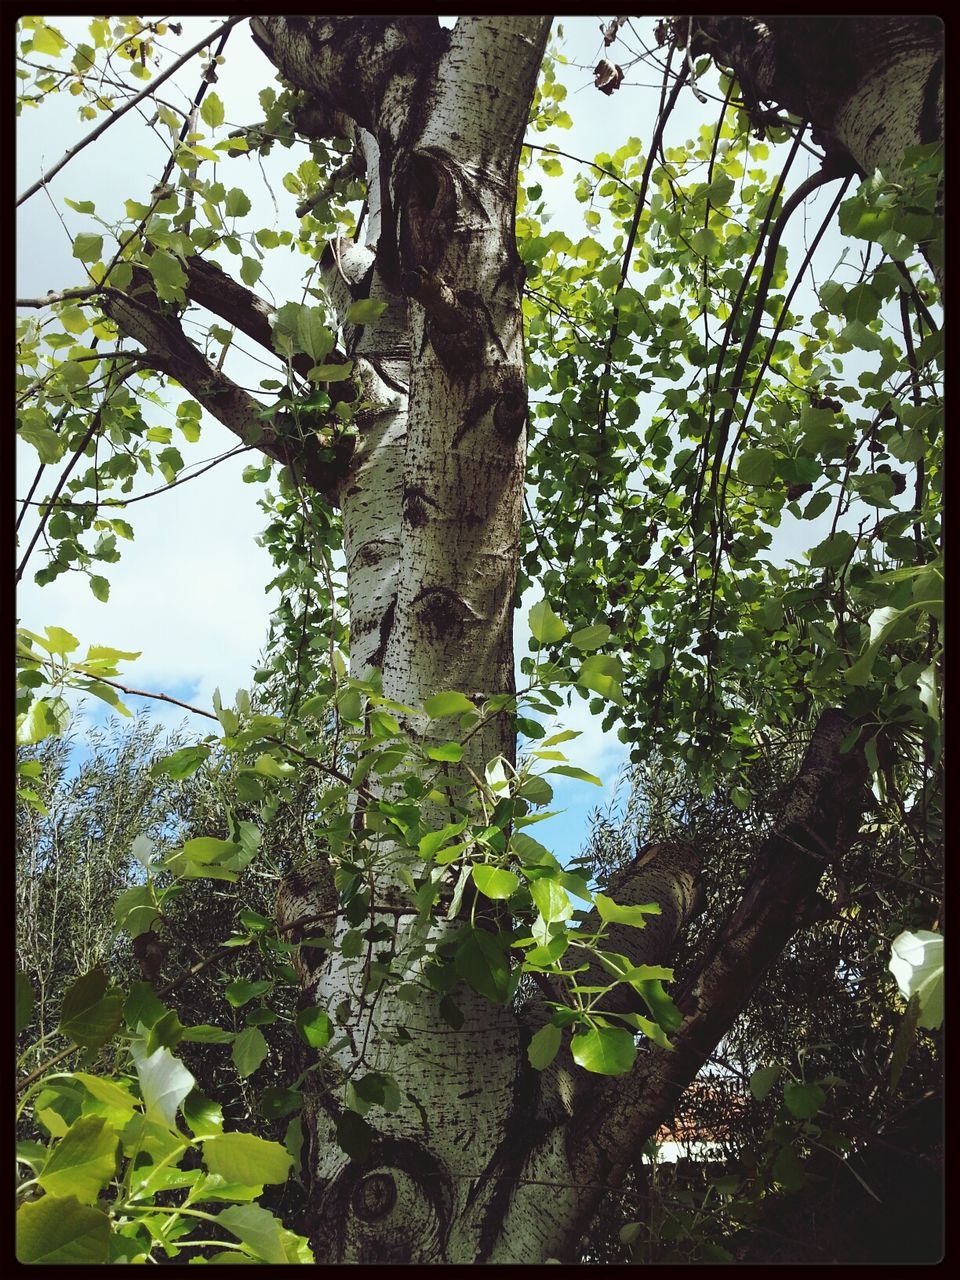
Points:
(685, 409)
(656, 517)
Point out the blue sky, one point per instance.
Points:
(189, 592)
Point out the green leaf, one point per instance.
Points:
(536, 790)
(481, 962)
(311, 331)
(264, 1236)
(380, 1088)
(434, 840)
(916, 962)
(740, 797)
(660, 1005)
(237, 204)
(239, 992)
(545, 626)
(906, 1033)
(612, 913)
(204, 1033)
(448, 751)
(277, 1103)
(331, 372)
(83, 1161)
(884, 625)
(451, 1012)
(136, 910)
(23, 1001)
(245, 1158)
(44, 439)
(591, 637)
(209, 849)
(530, 851)
(164, 1082)
(100, 587)
(315, 1026)
(117, 1099)
(249, 1050)
(543, 1046)
(90, 1014)
(494, 882)
(142, 1007)
(787, 1171)
(48, 40)
(763, 1080)
(58, 641)
(570, 771)
(47, 717)
(365, 311)
(204, 1116)
(250, 270)
(271, 768)
(168, 275)
(803, 1100)
(756, 466)
(354, 1135)
(181, 764)
(447, 704)
(211, 111)
(551, 900)
(833, 551)
(88, 247)
(603, 674)
(606, 1051)
(59, 1229)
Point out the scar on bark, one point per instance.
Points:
(386, 626)
(442, 613)
(429, 202)
(415, 503)
(508, 398)
(510, 413)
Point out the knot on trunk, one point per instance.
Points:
(444, 615)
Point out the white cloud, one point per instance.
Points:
(188, 591)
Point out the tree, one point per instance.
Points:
(446, 1119)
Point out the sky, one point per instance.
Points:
(189, 592)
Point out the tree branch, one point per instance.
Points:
(209, 286)
(818, 825)
(668, 874)
(142, 317)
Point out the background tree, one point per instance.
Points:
(404, 406)
(821, 1030)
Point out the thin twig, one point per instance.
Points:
(121, 111)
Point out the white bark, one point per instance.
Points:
(431, 508)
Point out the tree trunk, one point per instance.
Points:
(431, 508)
